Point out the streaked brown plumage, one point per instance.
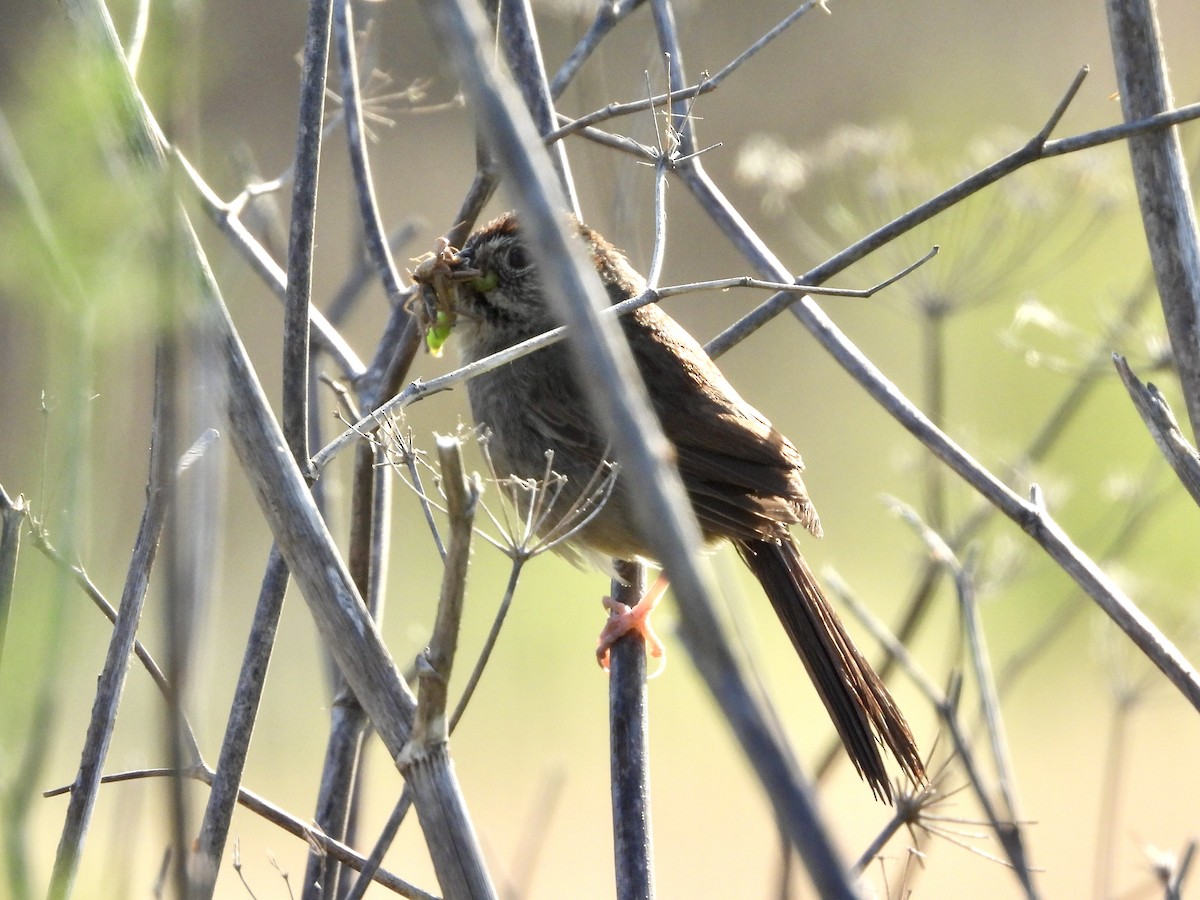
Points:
(742, 475)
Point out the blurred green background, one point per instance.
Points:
(842, 123)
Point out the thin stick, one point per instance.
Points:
(116, 662)
(709, 83)
(235, 746)
(276, 816)
(629, 748)
(301, 233)
(12, 517)
(1163, 427)
(1160, 174)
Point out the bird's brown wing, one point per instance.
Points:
(742, 474)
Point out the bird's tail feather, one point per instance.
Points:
(862, 710)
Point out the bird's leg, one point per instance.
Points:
(623, 619)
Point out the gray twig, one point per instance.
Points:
(435, 664)
(629, 748)
(1163, 427)
(12, 516)
(239, 727)
(111, 682)
(276, 816)
(301, 233)
(1161, 177)
(400, 339)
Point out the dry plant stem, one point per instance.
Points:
(276, 816)
(977, 652)
(478, 194)
(1174, 884)
(239, 727)
(425, 759)
(522, 52)
(296, 377)
(654, 272)
(111, 682)
(707, 84)
(1053, 427)
(946, 705)
(1163, 427)
(137, 40)
(619, 400)
(97, 597)
(989, 702)
(348, 722)
(1007, 825)
(489, 643)
(1164, 194)
(387, 834)
(337, 797)
(629, 748)
(1038, 147)
(435, 664)
(1030, 516)
(301, 234)
(225, 217)
(12, 517)
(341, 616)
(608, 17)
(399, 342)
(1058, 147)
(336, 794)
(296, 369)
(346, 297)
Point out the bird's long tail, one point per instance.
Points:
(862, 710)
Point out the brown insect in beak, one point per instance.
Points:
(439, 273)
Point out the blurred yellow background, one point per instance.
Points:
(1034, 272)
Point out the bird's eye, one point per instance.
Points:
(517, 258)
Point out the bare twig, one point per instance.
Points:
(300, 236)
(1164, 193)
(709, 83)
(398, 344)
(116, 663)
(608, 17)
(1008, 829)
(226, 781)
(1035, 149)
(12, 516)
(629, 749)
(276, 816)
(518, 38)
(435, 664)
(42, 542)
(225, 217)
(1163, 427)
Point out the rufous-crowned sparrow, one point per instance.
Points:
(741, 474)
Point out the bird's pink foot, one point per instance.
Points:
(624, 619)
